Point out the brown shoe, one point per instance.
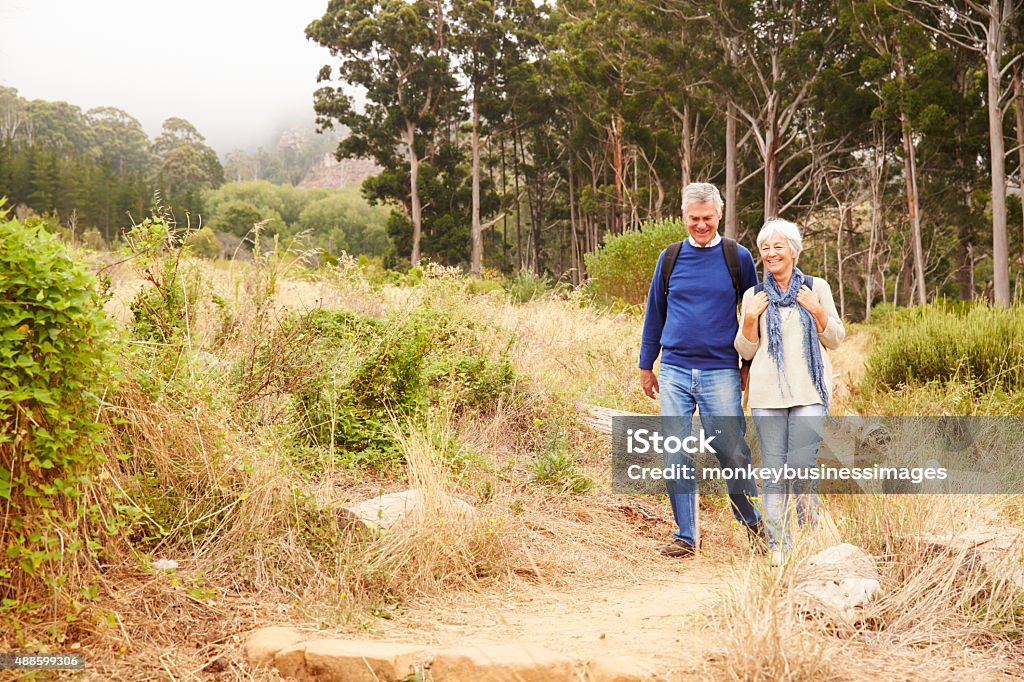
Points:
(677, 550)
(757, 536)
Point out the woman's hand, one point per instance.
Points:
(758, 304)
(811, 304)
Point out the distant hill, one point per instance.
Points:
(299, 156)
(328, 172)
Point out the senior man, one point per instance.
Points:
(691, 322)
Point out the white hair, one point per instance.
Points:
(787, 230)
(701, 193)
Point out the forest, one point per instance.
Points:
(516, 136)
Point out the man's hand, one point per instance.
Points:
(649, 382)
(744, 377)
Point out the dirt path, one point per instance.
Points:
(658, 619)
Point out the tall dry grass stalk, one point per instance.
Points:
(940, 610)
(442, 545)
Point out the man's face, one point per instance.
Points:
(702, 221)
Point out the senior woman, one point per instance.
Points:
(788, 322)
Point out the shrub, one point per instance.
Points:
(525, 286)
(938, 342)
(160, 309)
(556, 466)
(56, 353)
(355, 381)
(203, 243)
(622, 267)
(93, 240)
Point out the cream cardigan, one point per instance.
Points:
(768, 389)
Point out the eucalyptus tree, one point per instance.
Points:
(778, 49)
(186, 166)
(118, 139)
(896, 43)
(984, 27)
(395, 52)
(490, 39)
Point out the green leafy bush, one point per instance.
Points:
(203, 243)
(942, 342)
(621, 268)
(525, 286)
(159, 309)
(357, 381)
(56, 356)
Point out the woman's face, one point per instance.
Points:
(778, 256)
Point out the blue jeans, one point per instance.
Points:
(717, 393)
(789, 437)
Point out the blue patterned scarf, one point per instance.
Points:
(773, 323)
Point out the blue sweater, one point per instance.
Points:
(696, 326)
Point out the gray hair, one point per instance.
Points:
(789, 231)
(701, 193)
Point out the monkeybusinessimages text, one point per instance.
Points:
(645, 441)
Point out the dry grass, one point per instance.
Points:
(259, 541)
(940, 611)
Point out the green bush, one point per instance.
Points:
(525, 286)
(203, 243)
(354, 380)
(93, 240)
(556, 466)
(941, 342)
(159, 309)
(622, 267)
(57, 353)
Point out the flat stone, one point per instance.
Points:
(998, 549)
(263, 644)
(619, 669)
(343, 660)
(392, 510)
(501, 663)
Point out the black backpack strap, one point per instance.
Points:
(669, 264)
(732, 260)
(729, 252)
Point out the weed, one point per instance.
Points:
(556, 466)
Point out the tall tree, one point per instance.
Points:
(394, 50)
(984, 28)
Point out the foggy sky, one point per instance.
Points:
(236, 70)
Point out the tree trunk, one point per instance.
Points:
(1018, 105)
(476, 261)
(1000, 246)
(843, 217)
(576, 262)
(732, 218)
(913, 212)
(877, 174)
(416, 212)
(519, 205)
(771, 160)
(685, 154)
(504, 218)
(617, 220)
